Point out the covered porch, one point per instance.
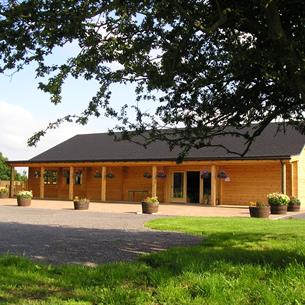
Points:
(192, 182)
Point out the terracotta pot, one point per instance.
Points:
(81, 205)
(3, 195)
(259, 212)
(294, 208)
(279, 209)
(24, 202)
(150, 207)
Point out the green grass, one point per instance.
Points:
(240, 261)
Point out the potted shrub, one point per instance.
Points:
(150, 205)
(259, 209)
(24, 198)
(81, 203)
(3, 192)
(278, 203)
(294, 205)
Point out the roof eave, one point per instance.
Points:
(29, 162)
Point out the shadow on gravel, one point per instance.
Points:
(58, 245)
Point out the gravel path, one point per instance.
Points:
(68, 236)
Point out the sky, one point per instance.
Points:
(24, 109)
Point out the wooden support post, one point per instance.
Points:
(103, 186)
(11, 191)
(154, 182)
(213, 185)
(41, 183)
(283, 177)
(71, 183)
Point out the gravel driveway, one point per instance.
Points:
(68, 236)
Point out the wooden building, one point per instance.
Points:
(101, 169)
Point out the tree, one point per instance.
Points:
(213, 67)
(5, 171)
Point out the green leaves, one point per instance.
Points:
(198, 63)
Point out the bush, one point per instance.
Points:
(278, 199)
(3, 190)
(294, 201)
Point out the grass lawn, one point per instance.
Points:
(240, 261)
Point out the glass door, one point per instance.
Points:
(178, 187)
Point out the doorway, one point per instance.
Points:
(193, 187)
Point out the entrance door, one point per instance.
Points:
(193, 187)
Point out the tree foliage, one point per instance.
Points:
(5, 171)
(211, 66)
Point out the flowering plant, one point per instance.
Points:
(278, 199)
(25, 195)
(3, 190)
(151, 199)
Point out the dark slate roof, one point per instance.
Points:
(102, 147)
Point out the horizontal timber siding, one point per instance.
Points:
(252, 183)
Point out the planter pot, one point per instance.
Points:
(150, 207)
(278, 209)
(294, 208)
(24, 202)
(259, 212)
(3, 195)
(81, 205)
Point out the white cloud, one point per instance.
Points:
(17, 124)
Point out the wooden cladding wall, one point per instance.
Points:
(294, 177)
(136, 186)
(63, 186)
(114, 186)
(33, 182)
(252, 183)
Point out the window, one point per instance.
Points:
(178, 185)
(78, 177)
(50, 177)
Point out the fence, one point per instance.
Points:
(17, 185)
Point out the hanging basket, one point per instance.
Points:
(147, 175)
(110, 175)
(66, 174)
(37, 174)
(97, 174)
(161, 174)
(222, 175)
(204, 174)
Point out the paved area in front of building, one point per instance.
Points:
(53, 232)
(89, 238)
(165, 209)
